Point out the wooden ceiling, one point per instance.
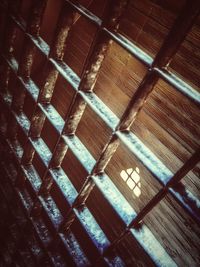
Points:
(100, 132)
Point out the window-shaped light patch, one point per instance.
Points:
(132, 178)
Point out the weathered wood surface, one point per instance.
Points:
(168, 124)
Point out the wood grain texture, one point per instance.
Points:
(168, 124)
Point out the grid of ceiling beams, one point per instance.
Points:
(57, 239)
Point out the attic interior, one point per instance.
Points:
(99, 133)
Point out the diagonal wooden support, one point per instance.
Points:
(84, 93)
(33, 28)
(180, 174)
(57, 50)
(65, 23)
(170, 46)
(88, 81)
(27, 57)
(91, 70)
(94, 61)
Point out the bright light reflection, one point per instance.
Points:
(132, 179)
